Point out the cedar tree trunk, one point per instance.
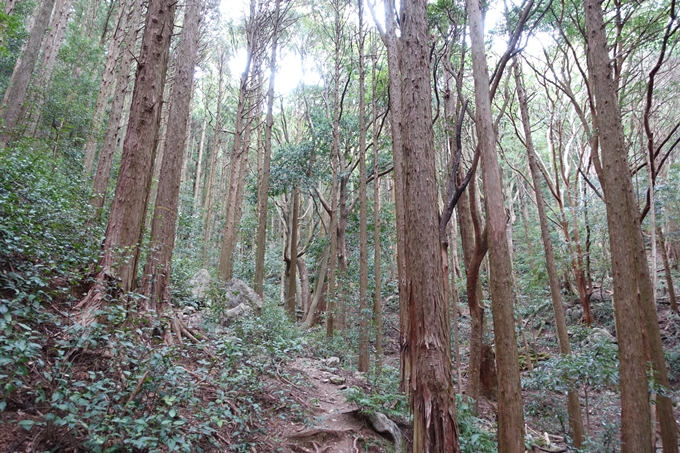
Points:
(156, 284)
(432, 396)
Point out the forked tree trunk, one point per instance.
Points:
(633, 298)
(15, 94)
(318, 290)
(431, 383)
(510, 413)
(573, 405)
(156, 281)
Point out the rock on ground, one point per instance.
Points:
(238, 292)
(199, 284)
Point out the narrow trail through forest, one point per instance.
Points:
(332, 424)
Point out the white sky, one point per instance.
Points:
(291, 72)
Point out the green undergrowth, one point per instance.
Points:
(113, 386)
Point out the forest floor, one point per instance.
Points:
(291, 400)
(332, 424)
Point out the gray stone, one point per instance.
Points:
(233, 313)
(598, 335)
(199, 284)
(238, 293)
(382, 424)
(337, 380)
(332, 361)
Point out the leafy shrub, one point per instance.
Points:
(595, 365)
(43, 222)
(271, 333)
(473, 437)
(110, 387)
(384, 396)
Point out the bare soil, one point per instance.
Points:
(332, 425)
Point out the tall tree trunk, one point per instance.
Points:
(573, 405)
(292, 261)
(475, 246)
(32, 110)
(363, 362)
(305, 291)
(107, 84)
(527, 237)
(343, 264)
(667, 269)
(121, 91)
(124, 230)
(15, 94)
(510, 414)
(333, 224)
(263, 186)
(198, 181)
(156, 282)
(633, 296)
(132, 191)
(188, 151)
(247, 99)
(215, 149)
(393, 47)
(432, 395)
(377, 276)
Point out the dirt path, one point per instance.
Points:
(332, 425)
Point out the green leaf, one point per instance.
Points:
(27, 424)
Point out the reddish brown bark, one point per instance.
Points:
(363, 361)
(156, 281)
(263, 183)
(431, 383)
(128, 211)
(113, 129)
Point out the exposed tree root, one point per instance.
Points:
(174, 330)
(316, 431)
(103, 285)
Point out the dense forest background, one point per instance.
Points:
(462, 217)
